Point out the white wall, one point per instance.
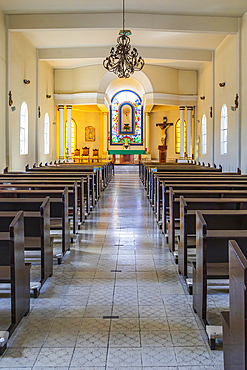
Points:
(22, 65)
(3, 99)
(226, 71)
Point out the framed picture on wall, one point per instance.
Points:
(89, 133)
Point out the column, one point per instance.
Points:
(189, 132)
(61, 140)
(105, 114)
(182, 109)
(147, 115)
(69, 107)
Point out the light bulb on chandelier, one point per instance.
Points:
(122, 60)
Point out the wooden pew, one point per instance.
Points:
(234, 320)
(157, 181)
(157, 176)
(71, 188)
(188, 208)
(13, 270)
(207, 186)
(212, 251)
(86, 184)
(42, 183)
(58, 213)
(37, 236)
(41, 193)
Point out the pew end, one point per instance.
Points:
(213, 333)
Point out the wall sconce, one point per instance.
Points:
(48, 96)
(39, 112)
(10, 99)
(222, 84)
(235, 106)
(211, 112)
(13, 108)
(202, 97)
(26, 82)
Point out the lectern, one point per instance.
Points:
(162, 153)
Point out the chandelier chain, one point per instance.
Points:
(122, 60)
(123, 15)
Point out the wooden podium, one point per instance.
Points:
(162, 153)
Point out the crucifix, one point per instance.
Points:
(164, 127)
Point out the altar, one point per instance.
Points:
(126, 156)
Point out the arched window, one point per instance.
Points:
(223, 130)
(73, 136)
(24, 129)
(126, 118)
(204, 134)
(46, 134)
(177, 137)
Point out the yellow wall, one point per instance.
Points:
(83, 119)
(155, 132)
(3, 99)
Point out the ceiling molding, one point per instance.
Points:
(170, 99)
(161, 22)
(146, 52)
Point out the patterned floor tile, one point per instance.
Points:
(125, 339)
(124, 357)
(92, 339)
(187, 339)
(19, 357)
(55, 356)
(125, 323)
(89, 357)
(154, 324)
(158, 356)
(193, 356)
(156, 338)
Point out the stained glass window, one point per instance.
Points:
(177, 137)
(126, 96)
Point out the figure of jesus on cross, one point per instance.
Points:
(164, 127)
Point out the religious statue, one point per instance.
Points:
(164, 127)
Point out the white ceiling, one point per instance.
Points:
(188, 7)
(94, 38)
(106, 37)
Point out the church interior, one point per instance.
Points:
(116, 297)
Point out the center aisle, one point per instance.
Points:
(119, 266)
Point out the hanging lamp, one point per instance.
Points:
(122, 60)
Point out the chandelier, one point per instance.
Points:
(122, 60)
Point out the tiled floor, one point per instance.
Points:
(121, 266)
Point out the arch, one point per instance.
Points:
(223, 130)
(140, 76)
(24, 129)
(204, 134)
